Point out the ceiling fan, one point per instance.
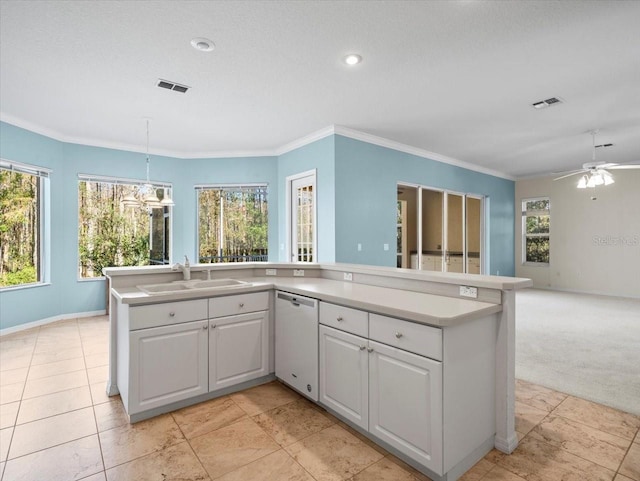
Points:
(596, 173)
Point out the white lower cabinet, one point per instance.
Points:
(238, 349)
(405, 403)
(344, 375)
(159, 375)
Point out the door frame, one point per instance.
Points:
(290, 212)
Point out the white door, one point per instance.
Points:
(344, 375)
(238, 349)
(302, 217)
(168, 364)
(405, 403)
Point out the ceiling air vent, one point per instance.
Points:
(543, 104)
(165, 84)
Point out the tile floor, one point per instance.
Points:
(56, 424)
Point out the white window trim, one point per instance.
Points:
(44, 219)
(523, 228)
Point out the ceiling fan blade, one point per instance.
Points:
(572, 173)
(624, 166)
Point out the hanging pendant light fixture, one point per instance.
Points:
(147, 191)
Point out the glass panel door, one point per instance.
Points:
(454, 253)
(303, 219)
(474, 235)
(432, 206)
(408, 197)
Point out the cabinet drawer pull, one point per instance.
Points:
(213, 326)
(241, 305)
(369, 349)
(339, 319)
(398, 335)
(205, 327)
(362, 348)
(172, 314)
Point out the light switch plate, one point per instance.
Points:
(348, 276)
(385, 247)
(298, 273)
(271, 272)
(466, 291)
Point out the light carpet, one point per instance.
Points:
(580, 344)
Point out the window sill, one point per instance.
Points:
(91, 279)
(535, 264)
(24, 286)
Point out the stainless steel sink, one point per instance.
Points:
(181, 286)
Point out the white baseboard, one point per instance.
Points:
(49, 320)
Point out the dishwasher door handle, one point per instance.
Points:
(296, 300)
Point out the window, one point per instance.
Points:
(112, 235)
(23, 194)
(535, 231)
(232, 223)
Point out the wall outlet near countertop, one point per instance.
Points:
(298, 273)
(271, 272)
(466, 291)
(348, 276)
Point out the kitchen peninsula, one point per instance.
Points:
(426, 360)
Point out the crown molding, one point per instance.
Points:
(408, 149)
(293, 145)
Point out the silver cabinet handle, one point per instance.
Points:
(172, 314)
(398, 335)
(339, 319)
(213, 326)
(369, 349)
(362, 348)
(242, 304)
(205, 327)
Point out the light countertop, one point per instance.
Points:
(419, 307)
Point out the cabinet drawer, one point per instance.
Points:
(238, 304)
(423, 340)
(142, 317)
(345, 319)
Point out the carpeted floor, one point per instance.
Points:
(580, 344)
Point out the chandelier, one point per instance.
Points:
(147, 192)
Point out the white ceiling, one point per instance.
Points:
(452, 77)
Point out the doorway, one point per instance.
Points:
(302, 217)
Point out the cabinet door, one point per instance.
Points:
(344, 375)
(168, 364)
(405, 403)
(238, 349)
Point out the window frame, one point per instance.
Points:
(43, 269)
(529, 213)
(118, 181)
(229, 187)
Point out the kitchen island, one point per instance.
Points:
(454, 354)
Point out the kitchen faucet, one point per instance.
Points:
(185, 268)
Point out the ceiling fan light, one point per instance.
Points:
(582, 183)
(608, 179)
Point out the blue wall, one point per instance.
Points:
(366, 191)
(356, 189)
(65, 293)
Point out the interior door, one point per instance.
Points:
(432, 235)
(302, 205)
(473, 232)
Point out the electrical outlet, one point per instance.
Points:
(298, 273)
(348, 276)
(271, 272)
(466, 291)
(385, 247)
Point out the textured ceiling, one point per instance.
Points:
(454, 77)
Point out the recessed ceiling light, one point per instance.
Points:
(203, 44)
(352, 59)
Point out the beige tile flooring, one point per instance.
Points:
(57, 424)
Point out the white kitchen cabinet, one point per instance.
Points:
(344, 375)
(167, 364)
(454, 264)
(238, 349)
(405, 403)
(473, 265)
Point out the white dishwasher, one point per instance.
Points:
(297, 342)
